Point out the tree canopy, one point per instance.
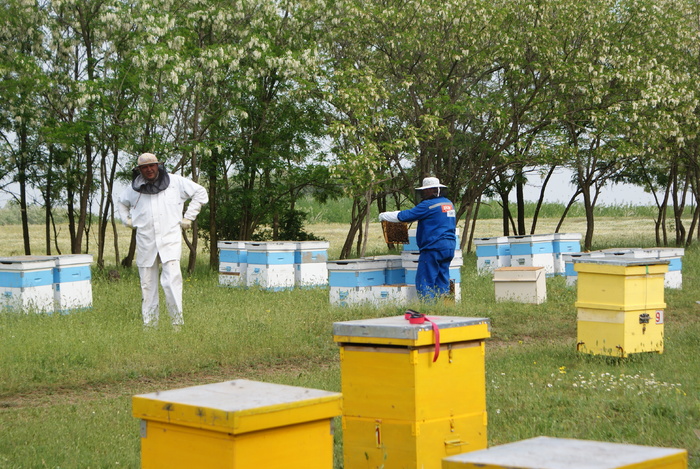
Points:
(264, 101)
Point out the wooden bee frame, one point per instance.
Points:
(395, 233)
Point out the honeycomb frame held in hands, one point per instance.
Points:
(395, 233)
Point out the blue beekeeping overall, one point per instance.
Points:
(435, 236)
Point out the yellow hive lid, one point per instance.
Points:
(238, 406)
(621, 266)
(396, 330)
(556, 453)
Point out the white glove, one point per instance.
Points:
(389, 216)
(186, 224)
(128, 223)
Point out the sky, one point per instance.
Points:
(558, 190)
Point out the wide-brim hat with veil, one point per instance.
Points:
(429, 183)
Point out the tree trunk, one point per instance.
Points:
(368, 205)
(520, 201)
(128, 261)
(355, 224)
(540, 200)
(566, 210)
(505, 213)
(213, 234)
(48, 202)
(114, 232)
(84, 201)
(679, 207)
(473, 228)
(106, 204)
(22, 179)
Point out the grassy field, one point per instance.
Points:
(67, 380)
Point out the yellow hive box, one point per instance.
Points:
(401, 409)
(620, 333)
(562, 453)
(237, 424)
(620, 306)
(620, 284)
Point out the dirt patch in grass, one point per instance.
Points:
(145, 384)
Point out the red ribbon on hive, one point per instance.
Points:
(414, 317)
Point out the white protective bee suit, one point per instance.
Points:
(156, 214)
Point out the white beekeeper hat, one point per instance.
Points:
(429, 183)
(146, 158)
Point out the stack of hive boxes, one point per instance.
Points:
(310, 259)
(72, 282)
(46, 284)
(492, 253)
(273, 266)
(386, 279)
(544, 250)
(404, 404)
(26, 284)
(363, 280)
(620, 305)
(233, 263)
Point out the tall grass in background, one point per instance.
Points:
(339, 211)
(10, 214)
(492, 209)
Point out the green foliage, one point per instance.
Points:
(332, 211)
(10, 214)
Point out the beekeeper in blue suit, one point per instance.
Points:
(435, 236)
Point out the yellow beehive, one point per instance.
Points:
(564, 453)
(402, 409)
(619, 333)
(620, 306)
(237, 424)
(620, 284)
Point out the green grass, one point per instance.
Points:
(67, 380)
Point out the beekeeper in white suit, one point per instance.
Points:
(153, 206)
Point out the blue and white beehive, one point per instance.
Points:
(564, 243)
(380, 280)
(628, 253)
(381, 295)
(72, 282)
(352, 281)
(412, 244)
(492, 253)
(270, 265)
(568, 260)
(26, 284)
(349, 296)
(674, 276)
(233, 263)
(532, 251)
(394, 274)
(409, 262)
(310, 269)
(364, 272)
